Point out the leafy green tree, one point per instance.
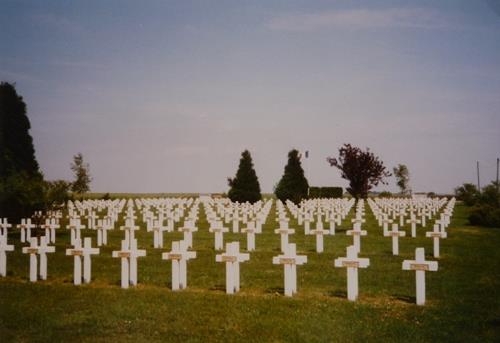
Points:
(363, 169)
(21, 183)
(402, 178)
(293, 184)
(486, 211)
(82, 175)
(57, 194)
(468, 193)
(245, 185)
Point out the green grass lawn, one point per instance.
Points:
(463, 297)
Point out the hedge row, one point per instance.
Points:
(325, 192)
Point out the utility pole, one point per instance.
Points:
(498, 162)
(478, 183)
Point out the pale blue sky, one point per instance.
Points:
(162, 96)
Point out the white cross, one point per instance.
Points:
(4, 226)
(25, 228)
(307, 225)
(420, 266)
(413, 221)
(102, 227)
(395, 234)
(423, 219)
(41, 250)
(158, 229)
(319, 238)
(179, 256)
(436, 234)
(77, 252)
(290, 260)
(129, 229)
(358, 220)
(33, 251)
(356, 234)
(386, 221)
(352, 262)
(219, 231)
(332, 224)
(232, 257)
(50, 227)
(75, 226)
(250, 230)
(91, 218)
(284, 232)
(4, 247)
(129, 254)
(236, 222)
(188, 230)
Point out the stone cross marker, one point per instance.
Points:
(158, 229)
(250, 230)
(75, 226)
(290, 260)
(352, 262)
(420, 266)
(102, 228)
(4, 226)
(356, 234)
(284, 232)
(43, 249)
(395, 234)
(319, 238)
(25, 228)
(33, 250)
(129, 229)
(232, 257)
(413, 221)
(4, 247)
(129, 254)
(436, 234)
(386, 221)
(50, 227)
(78, 252)
(179, 256)
(188, 230)
(219, 231)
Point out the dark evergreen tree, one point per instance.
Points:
(22, 189)
(245, 185)
(293, 184)
(17, 153)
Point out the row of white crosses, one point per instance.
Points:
(312, 211)
(426, 207)
(219, 211)
(357, 221)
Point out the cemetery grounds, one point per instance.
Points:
(463, 296)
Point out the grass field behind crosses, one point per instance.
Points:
(463, 297)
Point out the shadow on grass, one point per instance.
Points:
(219, 287)
(276, 290)
(337, 294)
(404, 298)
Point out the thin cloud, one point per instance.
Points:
(360, 19)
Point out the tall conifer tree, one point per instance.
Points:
(293, 184)
(245, 185)
(17, 153)
(21, 183)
